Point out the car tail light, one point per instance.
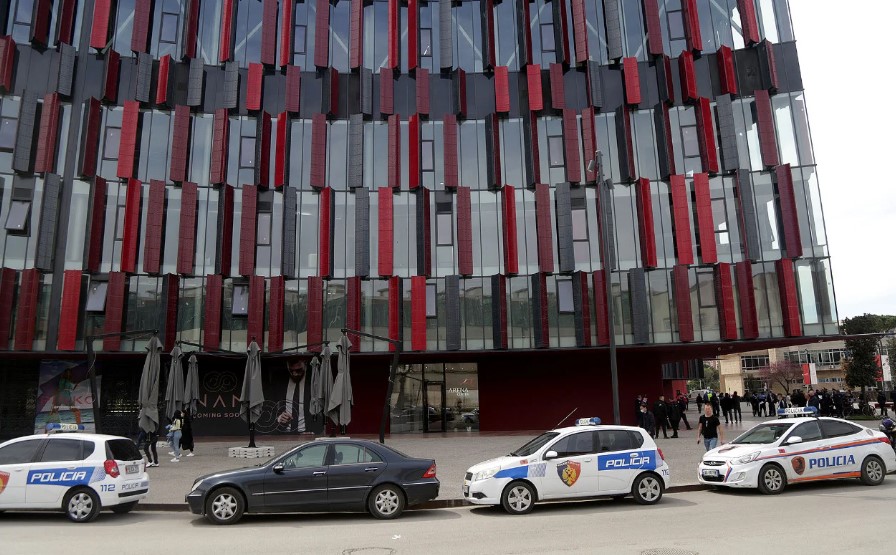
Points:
(885, 440)
(660, 451)
(111, 468)
(431, 473)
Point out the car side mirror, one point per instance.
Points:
(794, 439)
(278, 468)
(550, 455)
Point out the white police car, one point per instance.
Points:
(76, 472)
(586, 460)
(806, 448)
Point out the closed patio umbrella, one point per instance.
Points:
(317, 405)
(252, 397)
(340, 406)
(191, 386)
(174, 392)
(326, 378)
(148, 395)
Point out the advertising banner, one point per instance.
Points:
(63, 395)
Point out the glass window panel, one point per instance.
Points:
(264, 228)
(445, 229)
(8, 133)
(168, 32)
(247, 152)
(547, 38)
(564, 296)
(555, 150)
(96, 297)
(430, 300)
(579, 225)
(110, 146)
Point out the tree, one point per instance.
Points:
(783, 373)
(861, 365)
(710, 379)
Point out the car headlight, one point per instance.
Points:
(485, 474)
(748, 458)
(195, 485)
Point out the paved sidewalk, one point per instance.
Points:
(454, 452)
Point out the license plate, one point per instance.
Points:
(709, 472)
(132, 469)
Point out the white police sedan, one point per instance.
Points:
(802, 449)
(586, 460)
(77, 473)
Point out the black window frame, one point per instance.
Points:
(825, 424)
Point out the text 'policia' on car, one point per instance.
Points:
(806, 448)
(585, 460)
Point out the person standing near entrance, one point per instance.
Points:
(176, 427)
(662, 417)
(709, 428)
(646, 420)
(682, 408)
(735, 407)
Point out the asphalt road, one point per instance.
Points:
(818, 518)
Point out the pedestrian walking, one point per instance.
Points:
(735, 406)
(682, 408)
(709, 428)
(674, 417)
(726, 407)
(699, 402)
(646, 420)
(147, 442)
(882, 403)
(715, 404)
(662, 417)
(176, 430)
(186, 438)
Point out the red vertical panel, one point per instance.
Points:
(97, 226)
(499, 296)
(45, 159)
(599, 281)
(99, 32)
(162, 85)
(705, 225)
(394, 151)
(418, 313)
(645, 223)
(632, 81)
(263, 162)
(571, 146)
(692, 25)
(511, 257)
(269, 32)
(790, 308)
(171, 292)
(115, 305)
(7, 64)
(727, 75)
(533, 80)
(293, 88)
(211, 325)
(255, 324)
(748, 23)
(130, 122)
(681, 220)
(464, 232)
(180, 144)
(220, 136)
(488, 53)
(131, 226)
(110, 77)
(414, 147)
(26, 311)
(494, 152)
(413, 35)
(527, 32)
(248, 229)
(315, 312)
(395, 307)
(670, 87)
(280, 178)
(353, 309)
(71, 304)
(421, 84)
(769, 52)
(706, 136)
(426, 224)
(681, 290)
(65, 25)
(654, 28)
(225, 49)
(747, 297)
(7, 298)
(386, 235)
(325, 235)
(580, 30)
(449, 137)
(589, 143)
(92, 122)
(142, 18)
(502, 90)
(154, 228)
(356, 37)
(461, 77)
(254, 87)
(586, 308)
(725, 301)
(543, 229)
(192, 29)
(688, 77)
(768, 144)
(318, 151)
(226, 209)
(186, 248)
(558, 98)
(275, 311)
(287, 26)
(789, 217)
(393, 60)
(322, 35)
(387, 85)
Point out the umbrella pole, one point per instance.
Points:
(252, 434)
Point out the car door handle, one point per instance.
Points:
(587, 460)
(319, 473)
(371, 469)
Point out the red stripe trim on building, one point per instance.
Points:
(192, 28)
(280, 177)
(421, 84)
(386, 231)
(461, 90)
(394, 151)
(180, 143)
(688, 77)
(66, 23)
(645, 223)
(598, 278)
(162, 84)
(392, 14)
(293, 89)
(748, 24)
(418, 313)
(682, 292)
(395, 307)
(7, 299)
(248, 227)
(543, 229)
(71, 304)
(220, 136)
(571, 146)
(356, 37)
(92, 123)
(769, 52)
(254, 87)
(225, 47)
(632, 81)
(97, 226)
(99, 32)
(449, 137)
(325, 235)
(45, 158)
(589, 143)
(269, 32)
(186, 248)
(318, 151)
(111, 68)
(681, 220)
(790, 308)
(322, 35)
(275, 311)
(789, 215)
(115, 306)
(706, 136)
(255, 323)
(225, 256)
(727, 75)
(142, 18)
(580, 30)
(768, 143)
(558, 98)
(705, 225)
(7, 64)
(488, 52)
(154, 228)
(464, 232)
(508, 206)
(747, 299)
(502, 90)
(211, 325)
(263, 162)
(654, 28)
(387, 83)
(287, 26)
(130, 123)
(131, 226)
(691, 22)
(536, 158)
(414, 152)
(725, 301)
(533, 80)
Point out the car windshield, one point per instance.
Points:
(534, 445)
(764, 434)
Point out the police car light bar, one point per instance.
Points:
(57, 427)
(798, 411)
(593, 421)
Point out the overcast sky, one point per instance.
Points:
(845, 58)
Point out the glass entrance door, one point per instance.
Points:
(434, 409)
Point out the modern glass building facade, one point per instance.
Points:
(424, 171)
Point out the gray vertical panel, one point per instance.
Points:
(578, 302)
(606, 214)
(614, 29)
(563, 208)
(366, 91)
(597, 97)
(528, 148)
(637, 284)
(622, 145)
(490, 147)
(68, 57)
(49, 215)
(663, 156)
(362, 232)
(194, 83)
(557, 18)
(421, 207)
(748, 214)
(259, 143)
(355, 151)
(144, 77)
(452, 313)
(325, 96)
(662, 80)
(537, 310)
(727, 132)
(231, 86)
(446, 44)
(497, 303)
(290, 210)
(23, 154)
(523, 53)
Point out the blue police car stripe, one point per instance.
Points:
(518, 472)
(62, 476)
(635, 460)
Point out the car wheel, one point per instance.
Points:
(873, 471)
(772, 480)
(647, 489)
(81, 505)
(123, 508)
(386, 501)
(224, 506)
(518, 498)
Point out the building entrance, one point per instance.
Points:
(435, 398)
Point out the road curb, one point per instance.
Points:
(436, 504)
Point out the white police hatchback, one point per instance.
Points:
(77, 473)
(586, 460)
(774, 454)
